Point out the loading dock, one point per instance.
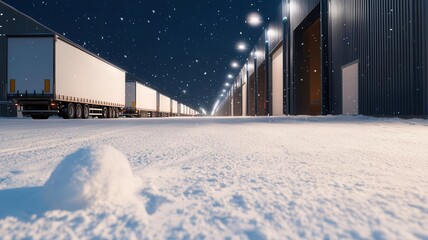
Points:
(307, 65)
(244, 91)
(261, 90)
(277, 82)
(251, 96)
(237, 96)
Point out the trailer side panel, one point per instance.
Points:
(82, 77)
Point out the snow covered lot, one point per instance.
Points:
(255, 178)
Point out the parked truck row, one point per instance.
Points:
(49, 75)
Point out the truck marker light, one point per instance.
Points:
(12, 85)
(47, 86)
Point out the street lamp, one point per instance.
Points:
(254, 19)
(234, 64)
(241, 46)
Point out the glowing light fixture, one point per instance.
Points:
(241, 46)
(203, 111)
(234, 64)
(254, 19)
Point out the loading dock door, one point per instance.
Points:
(307, 67)
(261, 90)
(244, 98)
(350, 89)
(277, 83)
(251, 110)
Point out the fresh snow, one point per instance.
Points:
(94, 175)
(250, 178)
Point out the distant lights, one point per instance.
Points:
(241, 46)
(254, 19)
(271, 33)
(203, 111)
(234, 64)
(227, 84)
(230, 76)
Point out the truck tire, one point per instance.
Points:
(71, 111)
(116, 113)
(78, 110)
(104, 113)
(110, 112)
(85, 112)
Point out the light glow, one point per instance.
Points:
(215, 107)
(241, 46)
(234, 64)
(254, 19)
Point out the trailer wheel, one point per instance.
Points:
(85, 112)
(116, 113)
(104, 113)
(71, 111)
(110, 112)
(78, 113)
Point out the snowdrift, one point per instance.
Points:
(91, 176)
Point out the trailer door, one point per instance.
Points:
(30, 66)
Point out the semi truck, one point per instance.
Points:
(141, 101)
(49, 75)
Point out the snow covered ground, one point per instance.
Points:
(215, 178)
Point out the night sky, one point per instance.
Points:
(183, 48)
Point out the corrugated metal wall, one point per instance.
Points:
(276, 30)
(389, 39)
(300, 9)
(421, 32)
(12, 22)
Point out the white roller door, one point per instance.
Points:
(277, 83)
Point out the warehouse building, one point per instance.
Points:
(340, 57)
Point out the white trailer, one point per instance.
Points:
(164, 105)
(49, 75)
(175, 106)
(140, 100)
(182, 109)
